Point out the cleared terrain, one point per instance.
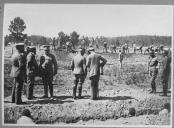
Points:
(119, 89)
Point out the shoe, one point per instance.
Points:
(163, 95)
(45, 96)
(151, 92)
(21, 103)
(80, 97)
(34, 97)
(74, 97)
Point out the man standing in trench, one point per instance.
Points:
(78, 66)
(94, 63)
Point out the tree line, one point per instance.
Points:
(17, 27)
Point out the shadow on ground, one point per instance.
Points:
(116, 98)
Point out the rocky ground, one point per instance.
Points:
(120, 89)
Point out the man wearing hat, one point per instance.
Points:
(165, 69)
(78, 66)
(94, 62)
(32, 69)
(18, 72)
(48, 65)
(153, 71)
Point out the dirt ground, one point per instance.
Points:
(119, 89)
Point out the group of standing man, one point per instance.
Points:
(162, 67)
(25, 68)
(81, 65)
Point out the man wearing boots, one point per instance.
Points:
(78, 67)
(48, 68)
(32, 69)
(18, 72)
(153, 71)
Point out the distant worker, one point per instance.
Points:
(32, 70)
(126, 48)
(78, 67)
(18, 72)
(120, 58)
(105, 48)
(48, 65)
(134, 47)
(113, 48)
(165, 70)
(123, 49)
(94, 62)
(153, 71)
(141, 49)
(25, 119)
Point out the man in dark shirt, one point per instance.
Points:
(32, 68)
(48, 65)
(165, 70)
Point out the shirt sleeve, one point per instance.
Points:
(54, 63)
(104, 61)
(88, 61)
(72, 64)
(22, 62)
(42, 60)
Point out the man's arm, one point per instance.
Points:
(88, 61)
(22, 62)
(84, 66)
(72, 64)
(55, 65)
(104, 61)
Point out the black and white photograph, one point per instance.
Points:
(90, 65)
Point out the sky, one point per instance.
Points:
(91, 19)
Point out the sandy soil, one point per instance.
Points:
(119, 90)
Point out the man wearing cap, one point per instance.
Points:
(48, 65)
(32, 68)
(153, 71)
(94, 62)
(78, 67)
(18, 72)
(164, 70)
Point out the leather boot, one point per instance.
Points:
(74, 92)
(80, 92)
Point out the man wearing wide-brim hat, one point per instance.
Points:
(18, 72)
(48, 66)
(165, 70)
(93, 63)
(32, 70)
(153, 70)
(78, 66)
